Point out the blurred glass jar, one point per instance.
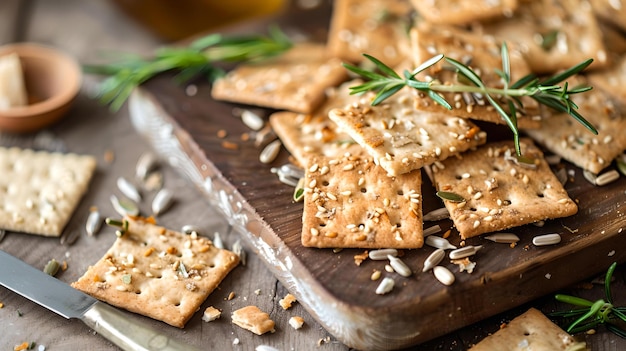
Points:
(179, 19)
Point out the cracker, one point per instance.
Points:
(563, 135)
(500, 192)
(375, 27)
(350, 202)
(158, 273)
(401, 138)
(610, 11)
(529, 331)
(554, 35)
(463, 12)
(294, 81)
(253, 319)
(613, 80)
(40, 190)
(306, 135)
(483, 54)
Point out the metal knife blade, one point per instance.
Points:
(68, 302)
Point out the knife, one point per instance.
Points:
(68, 302)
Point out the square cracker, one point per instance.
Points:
(294, 81)
(483, 54)
(375, 27)
(401, 138)
(350, 202)
(553, 35)
(611, 11)
(463, 12)
(565, 136)
(612, 80)
(169, 274)
(306, 135)
(529, 331)
(39, 190)
(500, 192)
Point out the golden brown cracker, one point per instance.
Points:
(253, 319)
(463, 12)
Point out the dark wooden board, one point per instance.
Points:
(334, 290)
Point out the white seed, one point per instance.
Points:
(444, 275)
(433, 259)
(547, 239)
(162, 201)
(189, 229)
(124, 206)
(146, 163)
(464, 252)
(606, 178)
(399, 266)
(128, 189)
(507, 238)
(269, 153)
(217, 241)
(439, 242)
(94, 223)
(239, 251)
(385, 286)
(252, 120)
(591, 178)
(437, 215)
(381, 254)
(432, 230)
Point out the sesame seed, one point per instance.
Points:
(348, 167)
(476, 224)
(314, 168)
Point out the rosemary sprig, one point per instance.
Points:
(593, 313)
(506, 100)
(196, 59)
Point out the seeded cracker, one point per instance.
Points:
(158, 273)
(500, 192)
(610, 11)
(294, 81)
(463, 12)
(39, 190)
(375, 27)
(402, 139)
(613, 80)
(483, 54)
(350, 202)
(566, 137)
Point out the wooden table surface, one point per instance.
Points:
(86, 30)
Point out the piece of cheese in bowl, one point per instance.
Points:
(12, 87)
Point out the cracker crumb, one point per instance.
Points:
(465, 265)
(211, 313)
(222, 133)
(257, 292)
(1, 305)
(358, 259)
(229, 145)
(109, 156)
(296, 322)
(236, 341)
(287, 301)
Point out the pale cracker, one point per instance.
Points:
(480, 52)
(40, 190)
(463, 12)
(171, 274)
(499, 192)
(374, 27)
(401, 138)
(612, 81)
(529, 331)
(565, 136)
(306, 135)
(294, 81)
(350, 202)
(253, 319)
(568, 28)
(613, 11)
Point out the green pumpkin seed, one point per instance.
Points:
(453, 197)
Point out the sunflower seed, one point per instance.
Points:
(464, 252)
(439, 242)
(146, 163)
(217, 241)
(124, 207)
(94, 223)
(399, 266)
(128, 189)
(385, 286)
(621, 164)
(507, 238)
(69, 237)
(432, 230)
(444, 275)
(269, 153)
(189, 229)
(591, 178)
(381, 254)
(162, 201)
(561, 175)
(433, 259)
(252, 120)
(437, 215)
(547, 239)
(607, 177)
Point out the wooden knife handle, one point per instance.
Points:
(127, 334)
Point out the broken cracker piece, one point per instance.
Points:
(253, 319)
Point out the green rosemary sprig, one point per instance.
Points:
(593, 313)
(506, 100)
(196, 59)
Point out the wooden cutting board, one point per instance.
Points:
(339, 294)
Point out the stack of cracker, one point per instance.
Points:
(362, 184)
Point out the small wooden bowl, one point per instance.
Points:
(52, 81)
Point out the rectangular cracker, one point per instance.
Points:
(253, 319)
(612, 80)
(457, 12)
(401, 138)
(350, 202)
(294, 81)
(483, 54)
(39, 190)
(158, 273)
(610, 11)
(568, 27)
(498, 191)
(529, 331)
(375, 27)
(564, 136)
